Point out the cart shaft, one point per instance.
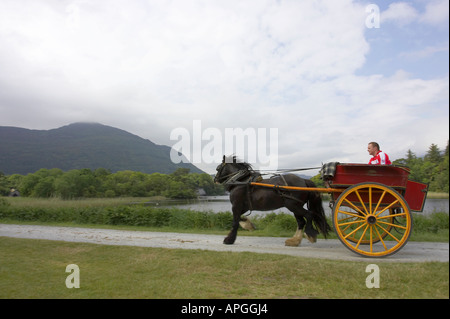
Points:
(296, 188)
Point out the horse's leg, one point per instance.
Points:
(310, 231)
(246, 223)
(301, 214)
(231, 237)
(296, 240)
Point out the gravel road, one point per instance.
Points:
(327, 249)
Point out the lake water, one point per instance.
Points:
(222, 204)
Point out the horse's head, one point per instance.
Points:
(225, 169)
(229, 167)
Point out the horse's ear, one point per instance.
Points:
(223, 160)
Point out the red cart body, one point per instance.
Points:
(396, 177)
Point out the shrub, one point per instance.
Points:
(432, 223)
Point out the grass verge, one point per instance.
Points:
(36, 269)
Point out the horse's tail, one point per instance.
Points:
(315, 205)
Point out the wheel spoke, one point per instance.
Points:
(393, 225)
(362, 202)
(354, 207)
(362, 236)
(352, 222)
(387, 207)
(350, 214)
(345, 219)
(381, 238)
(379, 201)
(392, 215)
(355, 230)
(387, 232)
(371, 238)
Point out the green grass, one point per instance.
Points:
(27, 202)
(36, 269)
(436, 195)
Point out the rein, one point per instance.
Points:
(286, 170)
(231, 176)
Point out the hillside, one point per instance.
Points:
(82, 145)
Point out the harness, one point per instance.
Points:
(286, 194)
(246, 177)
(241, 177)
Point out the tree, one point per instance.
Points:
(433, 155)
(179, 190)
(28, 184)
(44, 188)
(76, 184)
(156, 184)
(205, 182)
(433, 168)
(318, 181)
(14, 181)
(4, 185)
(440, 180)
(180, 172)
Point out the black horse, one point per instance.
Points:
(237, 176)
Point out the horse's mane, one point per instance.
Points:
(239, 163)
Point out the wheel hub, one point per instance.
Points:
(371, 219)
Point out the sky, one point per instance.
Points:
(327, 76)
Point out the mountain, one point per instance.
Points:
(82, 145)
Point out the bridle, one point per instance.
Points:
(231, 177)
(219, 170)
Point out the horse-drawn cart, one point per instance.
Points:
(371, 205)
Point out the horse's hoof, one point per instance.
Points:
(312, 239)
(228, 241)
(292, 242)
(247, 224)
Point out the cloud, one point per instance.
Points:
(425, 52)
(436, 13)
(385, 109)
(403, 13)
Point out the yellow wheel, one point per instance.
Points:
(372, 220)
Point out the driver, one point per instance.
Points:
(378, 157)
